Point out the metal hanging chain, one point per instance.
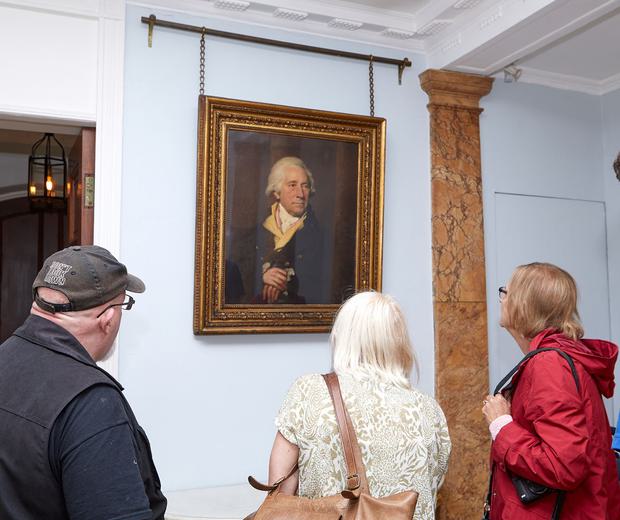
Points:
(202, 61)
(371, 86)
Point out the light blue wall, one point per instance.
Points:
(542, 163)
(208, 403)
(610, 110)
(541, 141)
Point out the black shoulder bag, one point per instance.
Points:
(527, 490)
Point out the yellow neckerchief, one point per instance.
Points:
(271, 225)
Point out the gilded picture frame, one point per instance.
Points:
(287, 194)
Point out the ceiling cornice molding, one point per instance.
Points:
(561, 81)
(315, 29)
(348, 10)
(203, 8)
(611, 84)
(568, 82)
(432, 11)
(388, 29)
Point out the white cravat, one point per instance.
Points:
(286, 219)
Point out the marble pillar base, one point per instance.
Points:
(461, 382)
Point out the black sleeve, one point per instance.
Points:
(91, 452)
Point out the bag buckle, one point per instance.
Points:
(357, 481)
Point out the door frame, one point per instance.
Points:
(107, 117)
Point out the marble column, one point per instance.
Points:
(459, 294)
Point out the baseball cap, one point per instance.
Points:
(88, 276)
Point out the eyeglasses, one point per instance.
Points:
(125, 305)
(502, 293)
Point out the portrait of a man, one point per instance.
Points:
(291, 239)
(289, 219)
(290, 223)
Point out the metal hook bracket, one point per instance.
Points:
(401, 69)
(151, 22)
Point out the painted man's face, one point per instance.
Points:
(295, 191)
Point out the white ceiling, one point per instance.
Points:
(570, 44)
(573, 44)
(592, 52)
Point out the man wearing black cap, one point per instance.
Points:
(70, 446)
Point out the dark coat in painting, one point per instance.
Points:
(302, 256)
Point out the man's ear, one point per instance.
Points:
(105, 321)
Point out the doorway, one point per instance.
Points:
(29, 233)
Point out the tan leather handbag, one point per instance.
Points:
(354, 502)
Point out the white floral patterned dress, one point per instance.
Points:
(402, 434)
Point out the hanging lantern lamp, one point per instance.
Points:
(47, 172)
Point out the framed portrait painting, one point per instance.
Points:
(289, 215)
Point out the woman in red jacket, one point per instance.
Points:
(548, 429)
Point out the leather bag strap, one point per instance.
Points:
(266, 487)
(533, 353)
(356, 472)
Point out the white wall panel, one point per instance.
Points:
(48, 64)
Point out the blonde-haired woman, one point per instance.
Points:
(401, 431)
(553, 429)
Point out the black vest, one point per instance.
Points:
(42, 368)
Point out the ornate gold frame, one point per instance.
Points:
(215, 117)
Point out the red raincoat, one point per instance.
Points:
(559, 437)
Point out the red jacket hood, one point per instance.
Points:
(597, 356)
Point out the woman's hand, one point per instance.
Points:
(494, 407)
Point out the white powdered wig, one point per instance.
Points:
(370, 336)
(278, 170)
